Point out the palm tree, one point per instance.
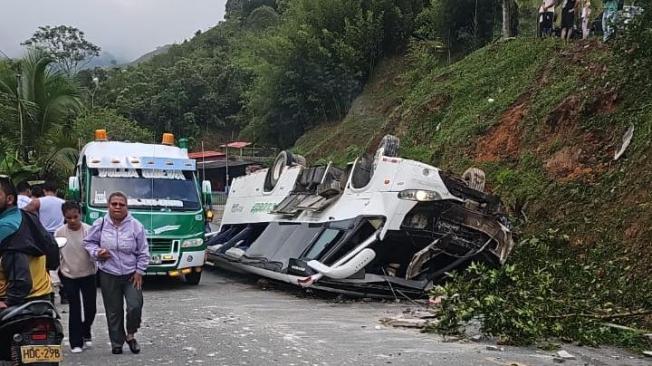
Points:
(44, 102)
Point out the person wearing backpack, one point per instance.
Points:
(26, 252)
(117, 242)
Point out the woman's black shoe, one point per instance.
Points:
(133, 345)
(116, 350)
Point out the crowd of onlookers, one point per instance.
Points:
(114, 249)
(572, 12)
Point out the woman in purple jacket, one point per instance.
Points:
(117, 242)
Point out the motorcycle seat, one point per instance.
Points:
(36, 307)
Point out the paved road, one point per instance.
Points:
(229, 320)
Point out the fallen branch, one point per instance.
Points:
(603, 317)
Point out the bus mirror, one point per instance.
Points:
(207, 191)
(73, 188)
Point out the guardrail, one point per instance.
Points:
(219, 198)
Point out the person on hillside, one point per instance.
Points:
(586, 15)
(609, 10)
(568, 11)
(117, 242)
(546, 17)
(26, 252)
(48, 209)
(77, 274)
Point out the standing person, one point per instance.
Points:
(24, 193)
(37, 192)
(610, 8)
(546, 17)
(48, 209)
(26, 251)
(586, 15)
(117, 242)
(568, 19)
(77, 274)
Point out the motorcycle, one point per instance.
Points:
(31, 333)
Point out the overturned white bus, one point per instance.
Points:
(383, 225)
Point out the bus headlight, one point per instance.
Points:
(190, 243)
(419, 195)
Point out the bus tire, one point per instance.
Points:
(274, 173)
(193, 278)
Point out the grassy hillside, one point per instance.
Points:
(544, 120)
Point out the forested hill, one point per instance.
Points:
(273, 69)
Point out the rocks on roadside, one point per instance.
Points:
(565, 355)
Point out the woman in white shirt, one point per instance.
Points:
(77, 273)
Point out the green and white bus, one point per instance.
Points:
(164, 193)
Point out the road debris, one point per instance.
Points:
(627, 139)
(565, 355)
(495, 348)
(647, 353)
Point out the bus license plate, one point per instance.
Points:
(31, 354)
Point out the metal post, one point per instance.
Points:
(226, 184)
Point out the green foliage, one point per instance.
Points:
(65, 44)
(462, 25)
(194, 86)
(118, 127)
(635, 44)
(262, 18)
(16, 169)
(548, 291)
(41, 105)
(312, 67)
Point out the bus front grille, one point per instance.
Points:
(162, 245)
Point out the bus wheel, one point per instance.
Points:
(193, 278)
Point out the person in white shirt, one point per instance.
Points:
(77, 274)
(24, 193)
(48, 208)
(586, 15)
(546, 17)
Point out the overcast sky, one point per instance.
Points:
(125, 28)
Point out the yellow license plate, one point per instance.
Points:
(31, 354)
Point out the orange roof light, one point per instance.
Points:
(100, 135)
(168, 139)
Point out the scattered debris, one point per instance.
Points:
(565, 355)
(410, 318)
(495, 348)
(451, 339)
(477, 338)
(627, 139)
(405, 323)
